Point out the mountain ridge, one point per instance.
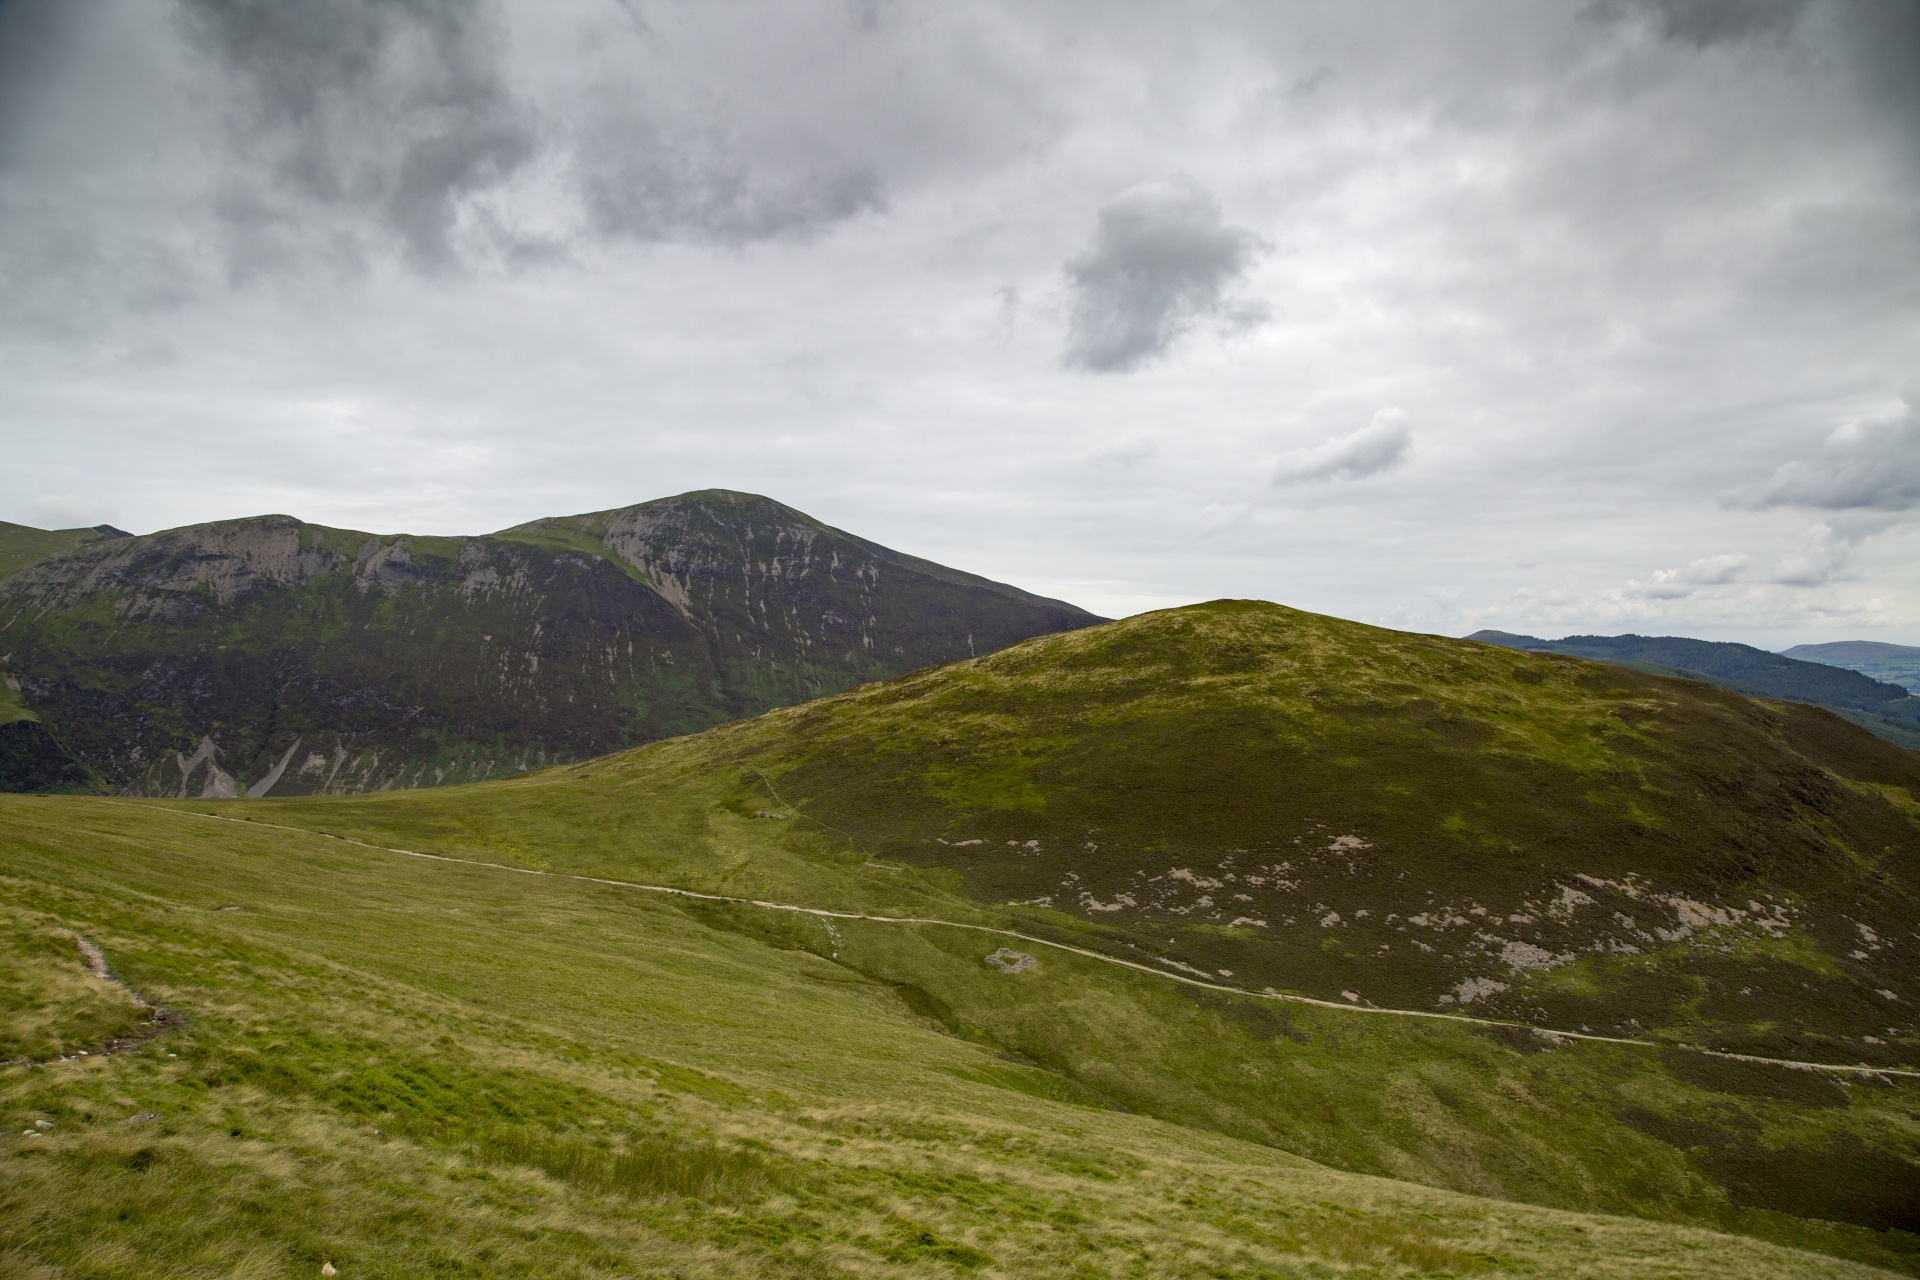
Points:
(215, 658)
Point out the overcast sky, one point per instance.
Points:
(1546, 317)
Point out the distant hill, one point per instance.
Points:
(1893, 663)
(272, 656)
(22, 545)
(1886, 709)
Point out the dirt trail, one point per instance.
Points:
(1267, 994)
(163, 1019)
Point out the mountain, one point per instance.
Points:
(1884, 708)
(271, 656)
(21, 545)
(1892, 663)
(1505, 923)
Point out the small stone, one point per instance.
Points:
(326, 1269)
(42, 1124)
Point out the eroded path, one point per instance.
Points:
(161, 1019)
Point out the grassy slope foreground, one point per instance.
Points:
(399, 1068)
(1273, 800)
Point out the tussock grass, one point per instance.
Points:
(655, 1166)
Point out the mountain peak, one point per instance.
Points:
(286, 657)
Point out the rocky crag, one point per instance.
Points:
(271, 656)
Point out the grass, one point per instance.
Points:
(404, 1068)
(22, 545)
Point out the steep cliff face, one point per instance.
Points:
(268, 656)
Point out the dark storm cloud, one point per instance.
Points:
(418, 120)
(1868, 465)
(394, 108)
(1162, 260)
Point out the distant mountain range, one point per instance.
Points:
(1893, 663)
(272, 656)
(1878, 705)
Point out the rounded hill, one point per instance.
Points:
(1296, 801)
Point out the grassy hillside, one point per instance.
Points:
(271, 656)
(1871, 699)
(22, 545)
(1266, 799)
(400, 1067)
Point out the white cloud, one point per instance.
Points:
(1677, 584)
(1871, 463)
(1378, 447)
(1127, 451)
(1824, 553)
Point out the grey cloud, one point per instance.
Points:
(1701, 23)
(648, 179)
(1162, 260)
(1873, 464)
(35, 36)
(1127, 451)
(1617, 268)
(1378, 447)
(461, 133)
(1677, 584)
(393, 108)
(1823, 556)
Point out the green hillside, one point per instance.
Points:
(32, 758)
(1890, 663)
(22, 545)
(1871, 699)
(396, 1067)
(271, 656)
(1264, 807)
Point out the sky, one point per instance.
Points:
(1595, 316)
